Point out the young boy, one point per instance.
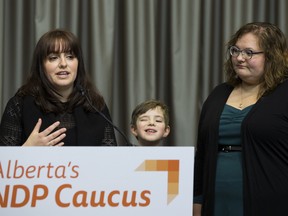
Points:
(150, 123)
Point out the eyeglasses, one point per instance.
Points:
(246, 53)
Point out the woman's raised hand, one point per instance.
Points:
(46, 137)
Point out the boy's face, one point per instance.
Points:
(150, 127)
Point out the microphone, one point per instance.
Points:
(83, 93)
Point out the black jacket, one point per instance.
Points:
(265, 152)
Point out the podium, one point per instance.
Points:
(102, 181)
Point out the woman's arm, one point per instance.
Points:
(197, 209)
(11, 126)
(11, 130)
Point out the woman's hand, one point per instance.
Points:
(46, 138)
(197, 209)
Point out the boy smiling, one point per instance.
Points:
(150, 123)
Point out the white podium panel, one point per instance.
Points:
(102, 181)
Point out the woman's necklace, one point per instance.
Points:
(241, 98)
(249, 97)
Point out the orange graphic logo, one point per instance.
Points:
(172, 167)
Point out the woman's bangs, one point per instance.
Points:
(59, 46)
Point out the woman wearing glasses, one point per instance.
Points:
(241, 163)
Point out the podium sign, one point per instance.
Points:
(102, 181)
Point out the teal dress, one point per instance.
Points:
(229, 180)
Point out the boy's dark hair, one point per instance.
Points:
(147, 105)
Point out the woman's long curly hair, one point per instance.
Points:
(38, 85)
(273, 42)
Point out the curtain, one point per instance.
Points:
(134, 50)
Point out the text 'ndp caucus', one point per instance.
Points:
(65, 193)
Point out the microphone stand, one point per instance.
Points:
(103, 116)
